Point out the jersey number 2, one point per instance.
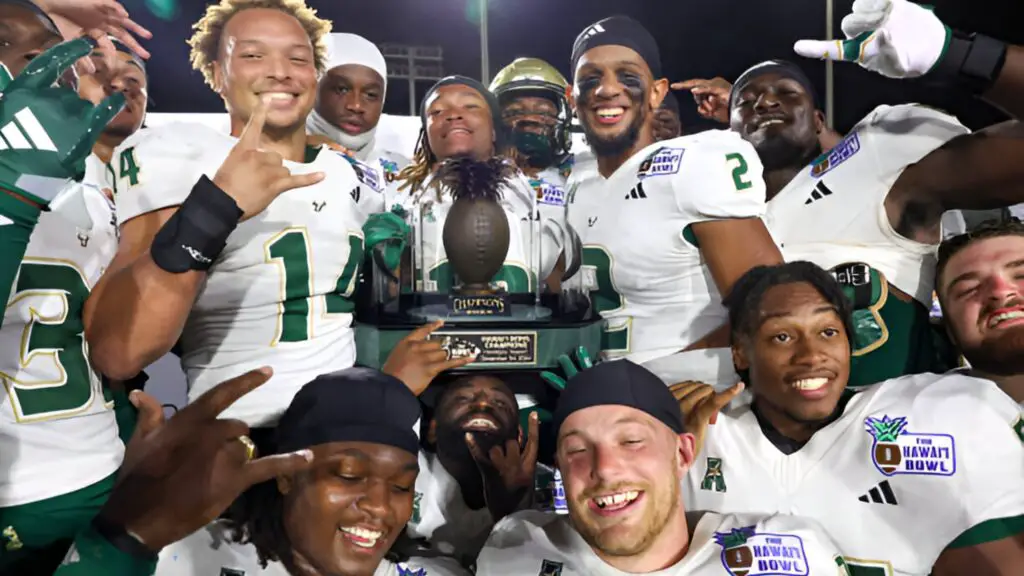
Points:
(291, 248)
(739, 172)
(606, 299)
(52, 378)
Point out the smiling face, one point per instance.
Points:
(481, 405)
(459, 123)
(615, 96)
(342, 516)
(351, 97)
(622, 470)
(798, 357)
(982, 294)
(777, 116)
(266, 53)
(23, 36)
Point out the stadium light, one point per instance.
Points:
(413, 63)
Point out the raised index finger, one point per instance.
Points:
(217, 399)
(250, 137)
(688, 84)
(422, 332)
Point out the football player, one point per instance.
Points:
(343, 515)
(55, 417)
(350, 100)
(533, 96)
(238, 275)
(666, 119)
(667, 227)
(981, 293)
(461, 491)
(623, 451)
(461, 117)
(930, 466)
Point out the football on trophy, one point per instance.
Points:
(476, 229)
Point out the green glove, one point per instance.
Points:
(48, 131)
(571, 366)
(389, 231)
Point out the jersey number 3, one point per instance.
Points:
(51, 378)
(292, 250)
(606, 299)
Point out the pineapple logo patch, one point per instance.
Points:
(747, 553)
(895, 451)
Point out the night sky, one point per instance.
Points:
(697, 39)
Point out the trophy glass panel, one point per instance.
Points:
(448, 287)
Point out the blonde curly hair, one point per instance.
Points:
(205, 42)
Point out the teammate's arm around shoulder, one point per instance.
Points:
(721, 190)
(988, 481)
(170, 237)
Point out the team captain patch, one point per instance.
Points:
(896, 451)
(663, 162)
(836, 156)
(747, 553)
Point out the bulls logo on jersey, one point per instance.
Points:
(404, 570)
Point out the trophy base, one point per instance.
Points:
(516, 313)
(511, 345)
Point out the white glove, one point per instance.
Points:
(894, 38)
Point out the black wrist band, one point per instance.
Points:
(195, 235)
(973, 61)
(119, 538)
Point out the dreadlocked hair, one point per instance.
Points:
(416, 173)
(205, 42)
(257, 518)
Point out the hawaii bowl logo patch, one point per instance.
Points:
(895, 451)
(407, 570)
(836, 156)
(748, 553)
(548, 193)
(663, 162)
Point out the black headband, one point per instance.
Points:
(620, 383)
(123, 48)
(783, 68)
(31, 6)
(619, 31)
(492, 103)
(352, 405)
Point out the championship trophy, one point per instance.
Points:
(474, 256)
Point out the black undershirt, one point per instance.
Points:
(787, 445)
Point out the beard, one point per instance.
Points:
(619, 144)
(610, 538)
(451, 439)
(780, 152)
(1001, 355)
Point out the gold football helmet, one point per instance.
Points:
(535, 77)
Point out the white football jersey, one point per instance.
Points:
(57, 432)
(535, 236)
(535, 543)
(913, 464)
(210, 552)
(833, 212)
(440, 514)
(279, 293)
(641, 265)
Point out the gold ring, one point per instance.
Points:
(250, 447)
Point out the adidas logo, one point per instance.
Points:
(637, 192)
(819, 192)
(593, 31)
(881, 494)
(24, 132)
